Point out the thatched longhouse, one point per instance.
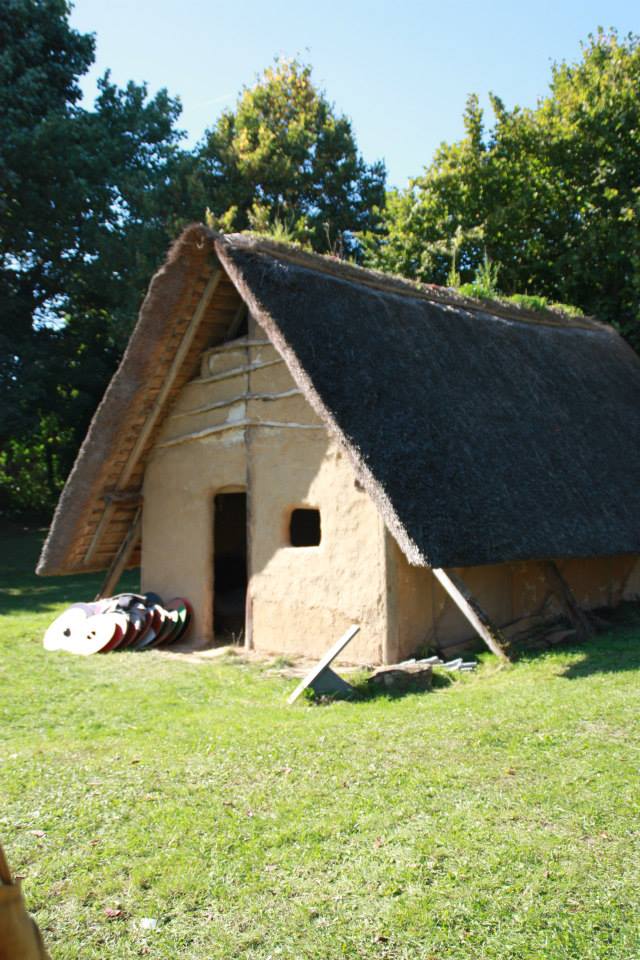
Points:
(296, 444)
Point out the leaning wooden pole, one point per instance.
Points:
(471, 609)
(152, 417)
(121, 558)
(565, 595)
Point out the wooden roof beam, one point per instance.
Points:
(127, 497)
(122, 557)
(154, 413)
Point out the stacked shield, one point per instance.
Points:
(128, 621)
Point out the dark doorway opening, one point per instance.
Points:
(229, 566)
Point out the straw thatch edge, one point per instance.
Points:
(83, 490)
(304, 383)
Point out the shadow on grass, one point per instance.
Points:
(21, 590)
(616, 648)
(610, 653)
(373, 691)
(364, 692)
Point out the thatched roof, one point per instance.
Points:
(484, 433)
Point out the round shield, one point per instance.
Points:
(154, 599)
(145, 630)
(129, 634)
(125, 601)
(97, 606)
(188, 618)
(151, 635)
(60, 631)
(184, 610)
(138, 619)
(96, 633)
(170, 626)
(120, 620)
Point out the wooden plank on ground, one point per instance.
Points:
(471, 609)
(324, 663)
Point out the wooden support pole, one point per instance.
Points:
(559, 586)
(121, 558)
(471, 609)
(152, 417)
(128, 497)
(250, 519)
(5, 872)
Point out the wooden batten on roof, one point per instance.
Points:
(484, 433)
(190, 304)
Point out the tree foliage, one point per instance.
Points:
(544, 202)
(83, 195)
(551, 196)
(284, 161)
(91, 198)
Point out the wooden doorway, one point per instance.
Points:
(229, 566)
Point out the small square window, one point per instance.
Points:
(304, 528)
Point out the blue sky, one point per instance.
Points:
(401, 71)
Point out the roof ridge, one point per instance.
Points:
(392, 283)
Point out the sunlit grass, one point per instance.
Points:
(493, 818)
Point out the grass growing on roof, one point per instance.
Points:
(533, 302)
(496, 817)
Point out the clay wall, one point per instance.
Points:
(243, 425)
(423, 616)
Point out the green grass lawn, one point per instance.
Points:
(497, 817)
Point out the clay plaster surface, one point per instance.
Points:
(275, 447)
(424, 616)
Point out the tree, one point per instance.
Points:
(91, 198)
(302, 179)
(83, 201)
(284, 161)
(550, 195)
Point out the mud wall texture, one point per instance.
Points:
(423, 616)
(243, 425)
